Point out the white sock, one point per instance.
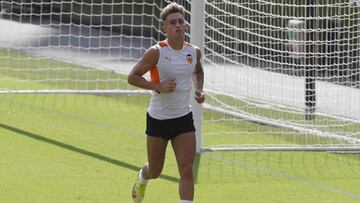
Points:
(186, 201)
(141, 178)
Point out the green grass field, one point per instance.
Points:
(85, 148)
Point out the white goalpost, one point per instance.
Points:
(280, 75)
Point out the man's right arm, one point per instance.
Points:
(149, 60)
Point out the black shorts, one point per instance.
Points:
(169, 128)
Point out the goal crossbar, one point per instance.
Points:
(355, 148)
(90, 92)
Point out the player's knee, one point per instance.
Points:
(186, 170)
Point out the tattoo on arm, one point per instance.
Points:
(198, 75)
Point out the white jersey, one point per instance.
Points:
(178, 65)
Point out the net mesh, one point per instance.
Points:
(269, 61)
(265, 62)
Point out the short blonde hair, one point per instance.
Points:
(171, 8)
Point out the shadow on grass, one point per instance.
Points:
(81, 151)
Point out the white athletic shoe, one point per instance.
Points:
(138, 190)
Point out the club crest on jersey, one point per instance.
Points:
(189, 58)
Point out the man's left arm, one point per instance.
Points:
(198, 78)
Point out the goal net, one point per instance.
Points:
(266, 63)
(269, 62)
(74, 46)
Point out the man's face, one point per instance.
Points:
(174, 25)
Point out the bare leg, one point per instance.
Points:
(156, 148)
(184, 146)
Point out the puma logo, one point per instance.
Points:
(168, 58)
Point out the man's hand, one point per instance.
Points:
(199, 96)
(167, 86)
